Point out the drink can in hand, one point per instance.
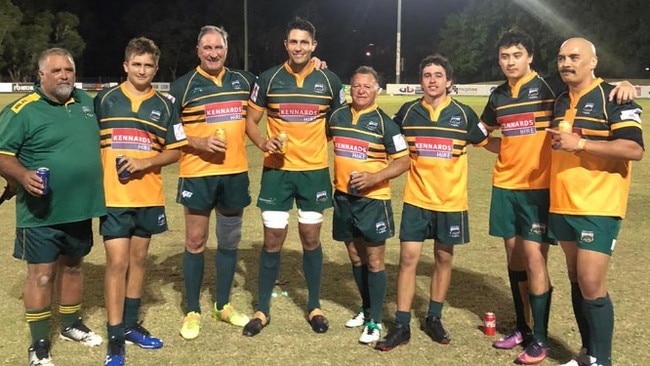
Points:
(44, 174)
(119, 163)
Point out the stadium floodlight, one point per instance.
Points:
(398, 57)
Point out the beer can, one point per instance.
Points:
(565, 126)
(44, 174)
(119, 163)
(489, 324)
(221, 134)
(285, 141)
(352, 190)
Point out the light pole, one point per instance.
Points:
(246, 35)
(398, 47)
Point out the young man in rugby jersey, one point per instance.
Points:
(365, 138)
(54, 127)
(297, 99)
(213, 172)
(142, 130)
(438, 130)
(590, 184)
(522, 108)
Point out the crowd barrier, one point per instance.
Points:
(642, 91)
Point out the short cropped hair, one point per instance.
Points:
(140, 46)
(301, 24)
(54, 51)
(213, 29)
(366, 70)
(514, 37)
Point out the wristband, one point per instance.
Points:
(581, 144)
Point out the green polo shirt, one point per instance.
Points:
(40, 132)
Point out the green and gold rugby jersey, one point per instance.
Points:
(437, 140)
(297, 104)
(522, 112)
(363, 141)
(138, 127)
(583, 183)
(208, 103)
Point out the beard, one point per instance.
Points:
(62, 92)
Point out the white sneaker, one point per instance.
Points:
(371, 333)
(357, 320)
(39, 354)
(79, 332)
(581, 359)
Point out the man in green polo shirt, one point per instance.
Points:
(53, 127)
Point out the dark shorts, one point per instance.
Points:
(128, 222)
(229, 192)
(360, 217)
(597, 233)
(45, 244)
(312, 190)
(520, 212)
(418, 224)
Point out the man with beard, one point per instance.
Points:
(53, 127)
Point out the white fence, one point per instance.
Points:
(642, 91)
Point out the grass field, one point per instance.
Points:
(479, 284)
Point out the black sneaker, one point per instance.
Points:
(39, 353)
(399, 335)
(434, 329)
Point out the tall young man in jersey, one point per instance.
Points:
(53, 127)
(522, 108)
(141, 127)
(297, 99)
(369, 151)
(213, 172)
(590, 184)
(438, 130)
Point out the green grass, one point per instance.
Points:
(479, 284)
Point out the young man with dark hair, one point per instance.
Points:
(297, 99)
(438, 130)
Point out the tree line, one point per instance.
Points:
(350, 33)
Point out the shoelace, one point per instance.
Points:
(139, 328)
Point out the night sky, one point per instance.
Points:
(346, 30)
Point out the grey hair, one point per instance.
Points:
(366, 70)
(54, 51)
(212, 29)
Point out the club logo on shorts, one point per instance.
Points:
(587, 236)
(161, 220)
(186, 194)
(381, 227)
(321, 196)
(538, 228)
(454, 231)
